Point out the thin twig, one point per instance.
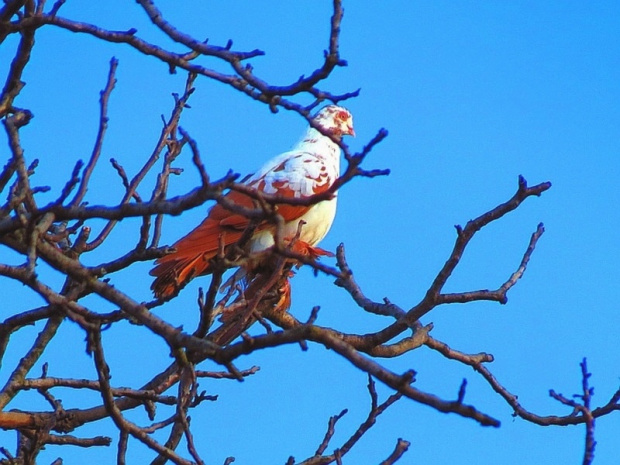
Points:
(103, 126)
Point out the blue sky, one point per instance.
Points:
(473, 95)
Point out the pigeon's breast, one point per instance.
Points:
(316, 223)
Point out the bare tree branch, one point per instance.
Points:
(43, 239)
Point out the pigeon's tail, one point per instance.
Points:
(262, 293)
(172, 275)
(266, 289)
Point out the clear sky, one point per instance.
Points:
(473, 95)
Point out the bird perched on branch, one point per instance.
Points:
(311, 167)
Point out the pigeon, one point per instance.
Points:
(310, 168)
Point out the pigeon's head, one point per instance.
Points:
(336, 121)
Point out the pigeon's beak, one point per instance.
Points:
(350, 131)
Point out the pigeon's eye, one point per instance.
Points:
(342, 115)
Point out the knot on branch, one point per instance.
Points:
(19, 118)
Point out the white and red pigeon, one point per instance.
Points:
(311, 167)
